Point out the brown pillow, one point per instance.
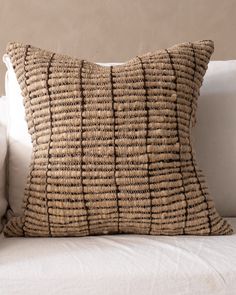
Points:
(112, 148)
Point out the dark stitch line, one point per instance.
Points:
(146, 140)
(49, 142)
(81, 144)
(31, 168)
(114, 146)
(177, 121)
(195, 171)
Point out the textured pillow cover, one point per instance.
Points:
(217, 98)
(112, 146)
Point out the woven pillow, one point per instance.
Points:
(112, 149)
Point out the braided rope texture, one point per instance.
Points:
(112, 149)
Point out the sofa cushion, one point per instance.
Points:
(215, 133)
(3, 155)
(112, 149)
(119, 265)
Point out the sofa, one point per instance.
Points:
(139, 264)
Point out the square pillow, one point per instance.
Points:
(112, 148)
(212, 139)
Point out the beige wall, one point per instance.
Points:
(115, 30)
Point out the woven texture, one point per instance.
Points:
(112, 148)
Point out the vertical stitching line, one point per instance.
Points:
(114, 146)
(31, 168)
(81, 144)
(177, 120)
(195, 171)
(50, 140)
(146, 140)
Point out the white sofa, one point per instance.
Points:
(143, 265)
(119, 265)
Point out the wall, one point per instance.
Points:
(116, 30)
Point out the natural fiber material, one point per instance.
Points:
(111, 145)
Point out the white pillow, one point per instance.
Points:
(3, 153)
(19, 141)
(215, 134)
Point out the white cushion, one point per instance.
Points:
(215, 133)
(19, 141)
(119, 265)
(3, 153)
